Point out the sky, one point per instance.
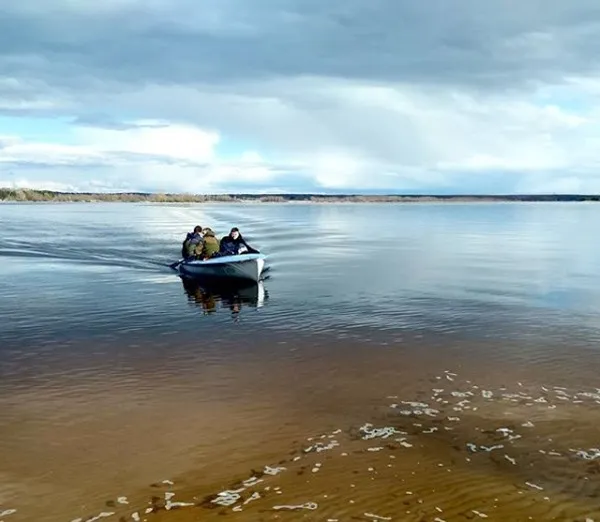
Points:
(354, 96)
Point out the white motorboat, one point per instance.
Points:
(240, 266)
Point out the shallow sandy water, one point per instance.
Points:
(208, 437)
(496, 455)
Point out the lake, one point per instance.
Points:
(399, 361)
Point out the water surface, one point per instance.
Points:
(116, 374)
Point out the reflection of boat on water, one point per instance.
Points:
(208, 293)
(239, 267)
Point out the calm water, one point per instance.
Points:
(115, 374)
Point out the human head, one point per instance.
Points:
(234, 233)
(197, 229)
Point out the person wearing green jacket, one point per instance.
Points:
(210, 245)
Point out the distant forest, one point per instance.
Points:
(26, 195)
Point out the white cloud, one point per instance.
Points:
(156, 154)
(341, 135)
(180, 142)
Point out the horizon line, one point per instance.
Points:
(48, 192)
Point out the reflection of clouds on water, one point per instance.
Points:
(503, 252)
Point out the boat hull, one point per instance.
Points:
(247, 267)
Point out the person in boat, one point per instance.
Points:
(210, 245)
(192, 243)
(234, 244)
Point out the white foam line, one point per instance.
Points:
(377, 517)
(273, 471)
(170, 505)
(534, 486)
(308, 505)
(254, 496)
(491, 448)
(104, 514)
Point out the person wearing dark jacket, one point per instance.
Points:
(192, 241)
(234, 244)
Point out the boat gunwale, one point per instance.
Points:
(223, 260)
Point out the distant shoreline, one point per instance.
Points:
(41, 196)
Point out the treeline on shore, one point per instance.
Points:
(25, 195)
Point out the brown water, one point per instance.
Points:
(119, 399)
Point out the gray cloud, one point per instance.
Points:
(464, 42)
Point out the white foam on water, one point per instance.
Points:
(104, 514)
(534, 486)
(591, 454)
(226, 498)
(173, 505)
(377, 517)
(510, 459)
(308, 505)
(251, 498)
(273, 470)
(370, 432)
(319, 447)
(252, 481)
(492, 448)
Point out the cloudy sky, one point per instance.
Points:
(432, 96)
